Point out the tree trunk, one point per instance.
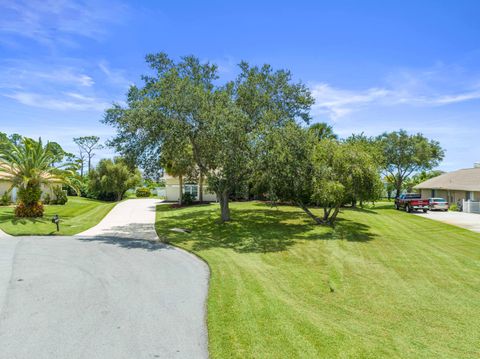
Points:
(200, 188)
(309, 213)
(224, 208)
(180, 183)
(89, 163)
(326, 213)
(334, 215)
(398, 188)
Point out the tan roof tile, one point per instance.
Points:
(462, 180)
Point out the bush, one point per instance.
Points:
(30, 211)
(111, 179)
(143, 192)
(454, 207)
(81, 184)
(6, 199)
(187, 199)
(47, 199)
(60, 196)
(30, 195)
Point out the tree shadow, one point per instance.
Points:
(131, 236)
(7, 217)
(128, 243)
(262, 230)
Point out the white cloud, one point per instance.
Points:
(115, 76)
(437, 87)
(69, 101)
(448, 99)
(23, 73)
(58, 21)
(340, 102)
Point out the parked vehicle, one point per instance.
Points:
(437, 203)
(412, 202)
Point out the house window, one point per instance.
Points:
(192, 189)
(469, 196)
(433, 193)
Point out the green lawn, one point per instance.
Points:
(383, 283)
(76, 216)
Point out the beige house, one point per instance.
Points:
(6, 183)
(453, 186)
(172, 189)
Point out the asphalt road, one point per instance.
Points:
(107, 293)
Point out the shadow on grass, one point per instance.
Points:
(10, 217)
(254, 230)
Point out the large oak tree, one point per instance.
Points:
(404, 154)
(222, 122)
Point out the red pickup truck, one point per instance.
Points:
(411, 202)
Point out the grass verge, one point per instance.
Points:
(78, 215)
(382, 283)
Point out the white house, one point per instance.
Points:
(6, 183)
(172, 189)
(454, 186)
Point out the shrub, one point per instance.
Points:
(60, 196)
(81, 184)
(30, 211)
(6, 199)
(454, 207)
(47, 199)
(187, 199)
(111, 179)
(30, 195)
(143, 192)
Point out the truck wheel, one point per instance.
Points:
(425, 210)
(407, 208)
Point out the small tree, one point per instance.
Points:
(111, 179)
(342, 171)
(296, 167)
(405, 154)
(362, 191)
(87, 145)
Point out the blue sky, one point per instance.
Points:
(373, 66)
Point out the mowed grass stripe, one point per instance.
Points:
(382, 283)
(77, 215)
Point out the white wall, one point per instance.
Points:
(5, 186)
(172, 193)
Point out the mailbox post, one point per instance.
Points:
(56, 220)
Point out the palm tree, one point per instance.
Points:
(177, 160)
(323, 131)
(28, 165)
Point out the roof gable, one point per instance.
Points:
(462, 180)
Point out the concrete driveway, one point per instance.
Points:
(469, 221)
(109, 292)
